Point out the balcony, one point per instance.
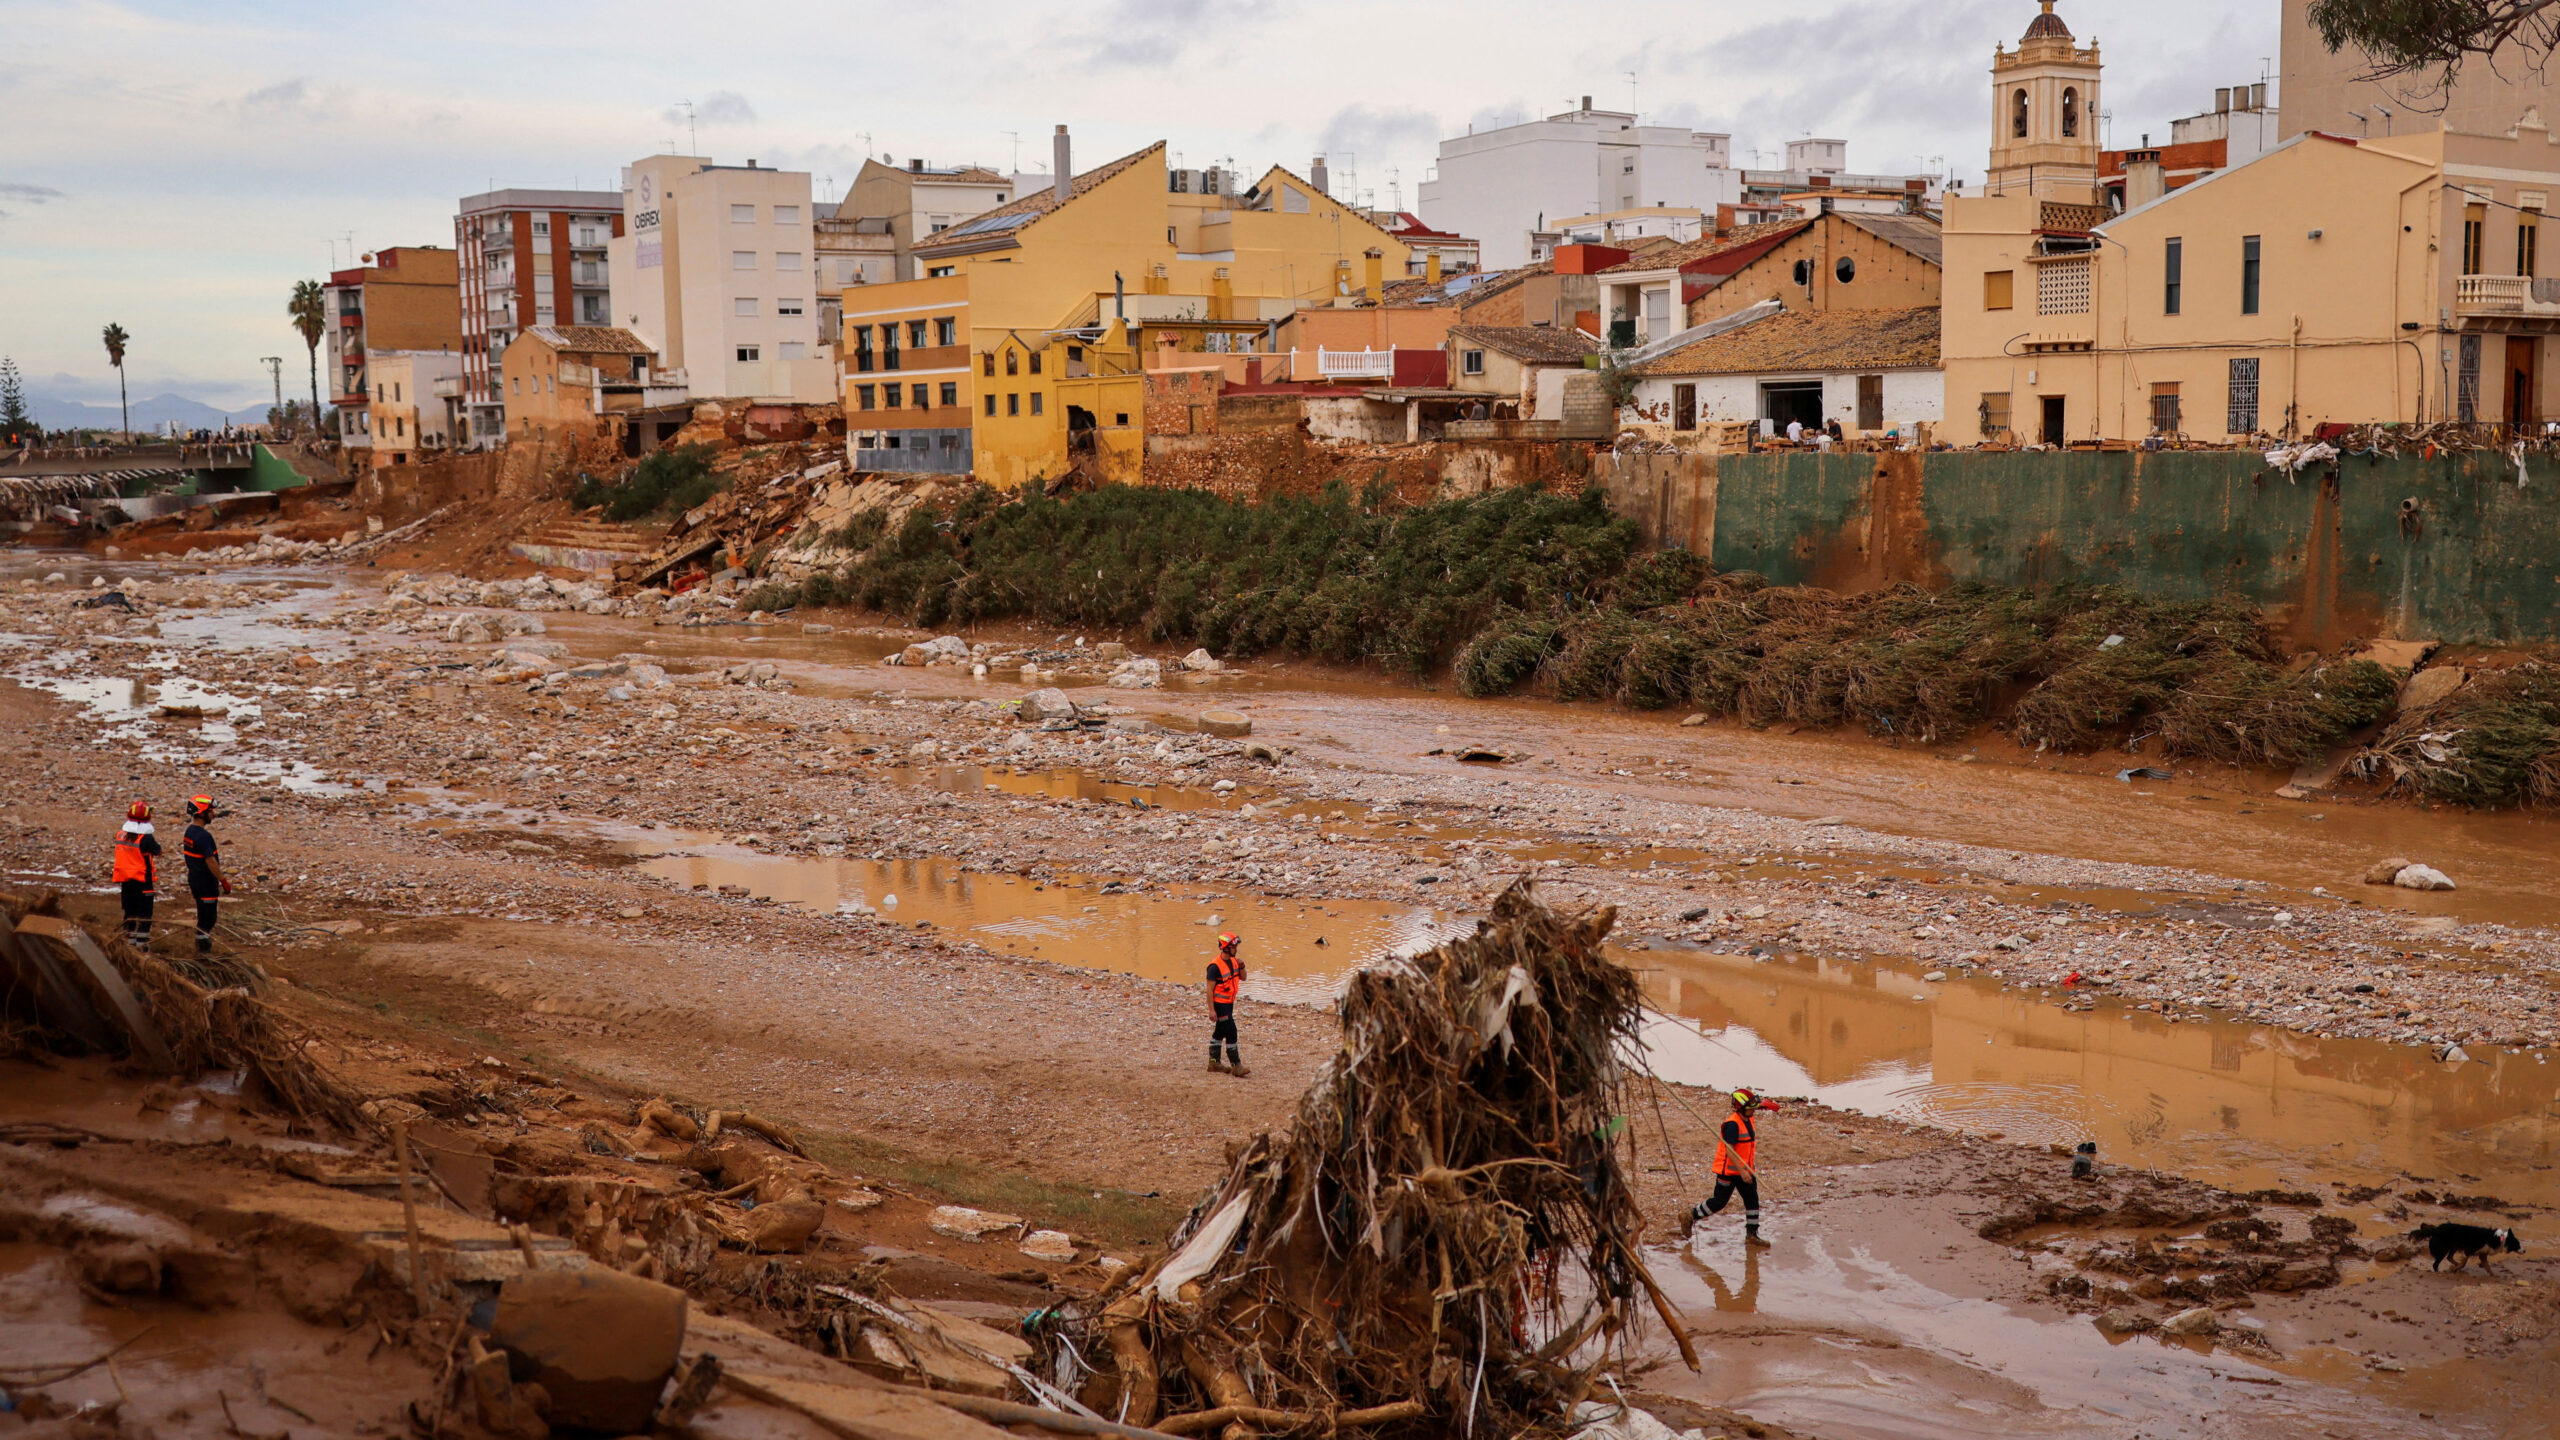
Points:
(2494, 302)
(1356, 364)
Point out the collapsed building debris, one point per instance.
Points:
(1444, 1240)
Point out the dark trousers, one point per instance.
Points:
(1224, 1029)
(1726, 1185)
(138, 901)
(205, 907)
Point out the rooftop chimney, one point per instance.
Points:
(2144, 180)
(1319, 176)
(915, 165)
(1586, 103)
(751, 162)
(2258, 96)
(1064, 166)
(2222, 100)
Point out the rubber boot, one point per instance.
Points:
(1235, 1064)
(1689, 1221)
(1216, 1066)
(1751, 1237)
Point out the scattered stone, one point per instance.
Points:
(2199, 1321)
(1051, 704)
(2121, 1321)
(1228, 723)
(962, 1223)
(2429, 688)
(2422, 877)
(1695, 720)
(1049, 1245)
(860, 1200)
(1202, 662)
(2385, 871)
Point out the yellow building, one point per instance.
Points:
(1015, 355)
(2328, 280)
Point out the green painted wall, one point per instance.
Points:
(2326, 551)
(268, 472)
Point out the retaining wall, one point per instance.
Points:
(2331, 552)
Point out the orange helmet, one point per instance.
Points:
(200, 807)
(138, 810)
(1228, 942)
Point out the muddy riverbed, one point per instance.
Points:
(690, 882)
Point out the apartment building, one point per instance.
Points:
(715, 273)
(527, 257)
(916, 201)
(1014, 355)
(409, 413)
(1500, 185)
(406, 297)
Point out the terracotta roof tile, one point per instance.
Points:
(593, 339)
(1819, 341)
(1707, 246)
(1545, 343)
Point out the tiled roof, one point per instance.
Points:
(1023, 209)
(592, 339)
(1707, 246)
(1466, 289)
(1917, 234)
(1812, 341)
(1547, 344)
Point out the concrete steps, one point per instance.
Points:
(579, 544)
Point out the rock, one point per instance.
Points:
(1202, 662)
(1225, 722)
(2422, 877)
(1049, 1245)
(1262, 751)
(944, 647)
(2429, 687)
(2121, 1321)
(1695, 720)
(861, 1200)
(1051, 704)
(1137, 675)
(2386, 871)
(962, 1223)
(1827, 821)
(599, 1342)
(1111, 650)
(2010, 942)
(1934, 976)
(784, 1225)
(2199, 1321)
(925, 749)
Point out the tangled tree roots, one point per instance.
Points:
(2494, 741)
(1444, 1240)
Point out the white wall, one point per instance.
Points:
(675, 282)
(1910, 397)
(1495, 186)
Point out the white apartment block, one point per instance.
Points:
(528, 257)
(1500, 185)
(716, 270)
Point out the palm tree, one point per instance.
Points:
(115, 338)
(310, 314)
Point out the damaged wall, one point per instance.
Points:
(402, 493)
(2331, 552)
(1254, 467)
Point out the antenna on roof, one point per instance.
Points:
(692, 132)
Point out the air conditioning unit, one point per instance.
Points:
(1213, 181)
(1183, 182)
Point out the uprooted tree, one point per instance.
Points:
(1443, 1241)
(2430, 40)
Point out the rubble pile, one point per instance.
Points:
(1047, 664)
(770, 489)
(1444, 1241)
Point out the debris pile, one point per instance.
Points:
(2488, 738)
(1444, 1241)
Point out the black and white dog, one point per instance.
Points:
(2461, 1243)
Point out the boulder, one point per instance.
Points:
(962, 1223)
(784, 1225)
(1202, 662)
(2123, 1321)
(599, 1342)
(1049, 704)
(2422, 877)
(1054, 1245)
(2199, 1321)
(1225, 722)
(2386, 871)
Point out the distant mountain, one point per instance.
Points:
(150, 414)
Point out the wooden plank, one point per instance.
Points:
(137, 1022)
(862, 1414)
(57, 997)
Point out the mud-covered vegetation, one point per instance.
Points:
(2495, 740)
(665, 483)
(1530, 589)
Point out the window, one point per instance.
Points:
(2466, 382)
(2173, 263)
(915, 334)
(1121, 419)
(1035, 362)
(867, 396)
(991, 406)
(1035, 402)
(1870, 402)
(1997, 286)
(750, 352)
(2164, 408)
(2249, 275)
(2243, 419)
(987, 363)
(862, 347)
(517, 384)
(786, 214)
(1013, 404)
(1995, 414)
(888, 347)
(892, 398)
(1846, 269)
(787, 307)
(745, 306)
(950, 392)
(2528, 243)
(742, 214)
(2070, 114)
(541, 227)
(2018, 115)
(946, 331)
(2475, 230)
(786, 260)
(937, 272)
(793, 350)
(1471, 362)
(742, 259)
(1013, 362)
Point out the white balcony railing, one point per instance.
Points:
(2506, 295)
(1356, 364)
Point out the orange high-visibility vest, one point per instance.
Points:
(1742, 1159)
(132, 861)
(1230, 979)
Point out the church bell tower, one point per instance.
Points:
(2044, 116)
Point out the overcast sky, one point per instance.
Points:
(175, 165)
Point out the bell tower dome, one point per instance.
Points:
(2044, 116)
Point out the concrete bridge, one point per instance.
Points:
(125, 462)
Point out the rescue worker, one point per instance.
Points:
(1226, 981)
(205, 879)
(1737, 1167)
(137, 874)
